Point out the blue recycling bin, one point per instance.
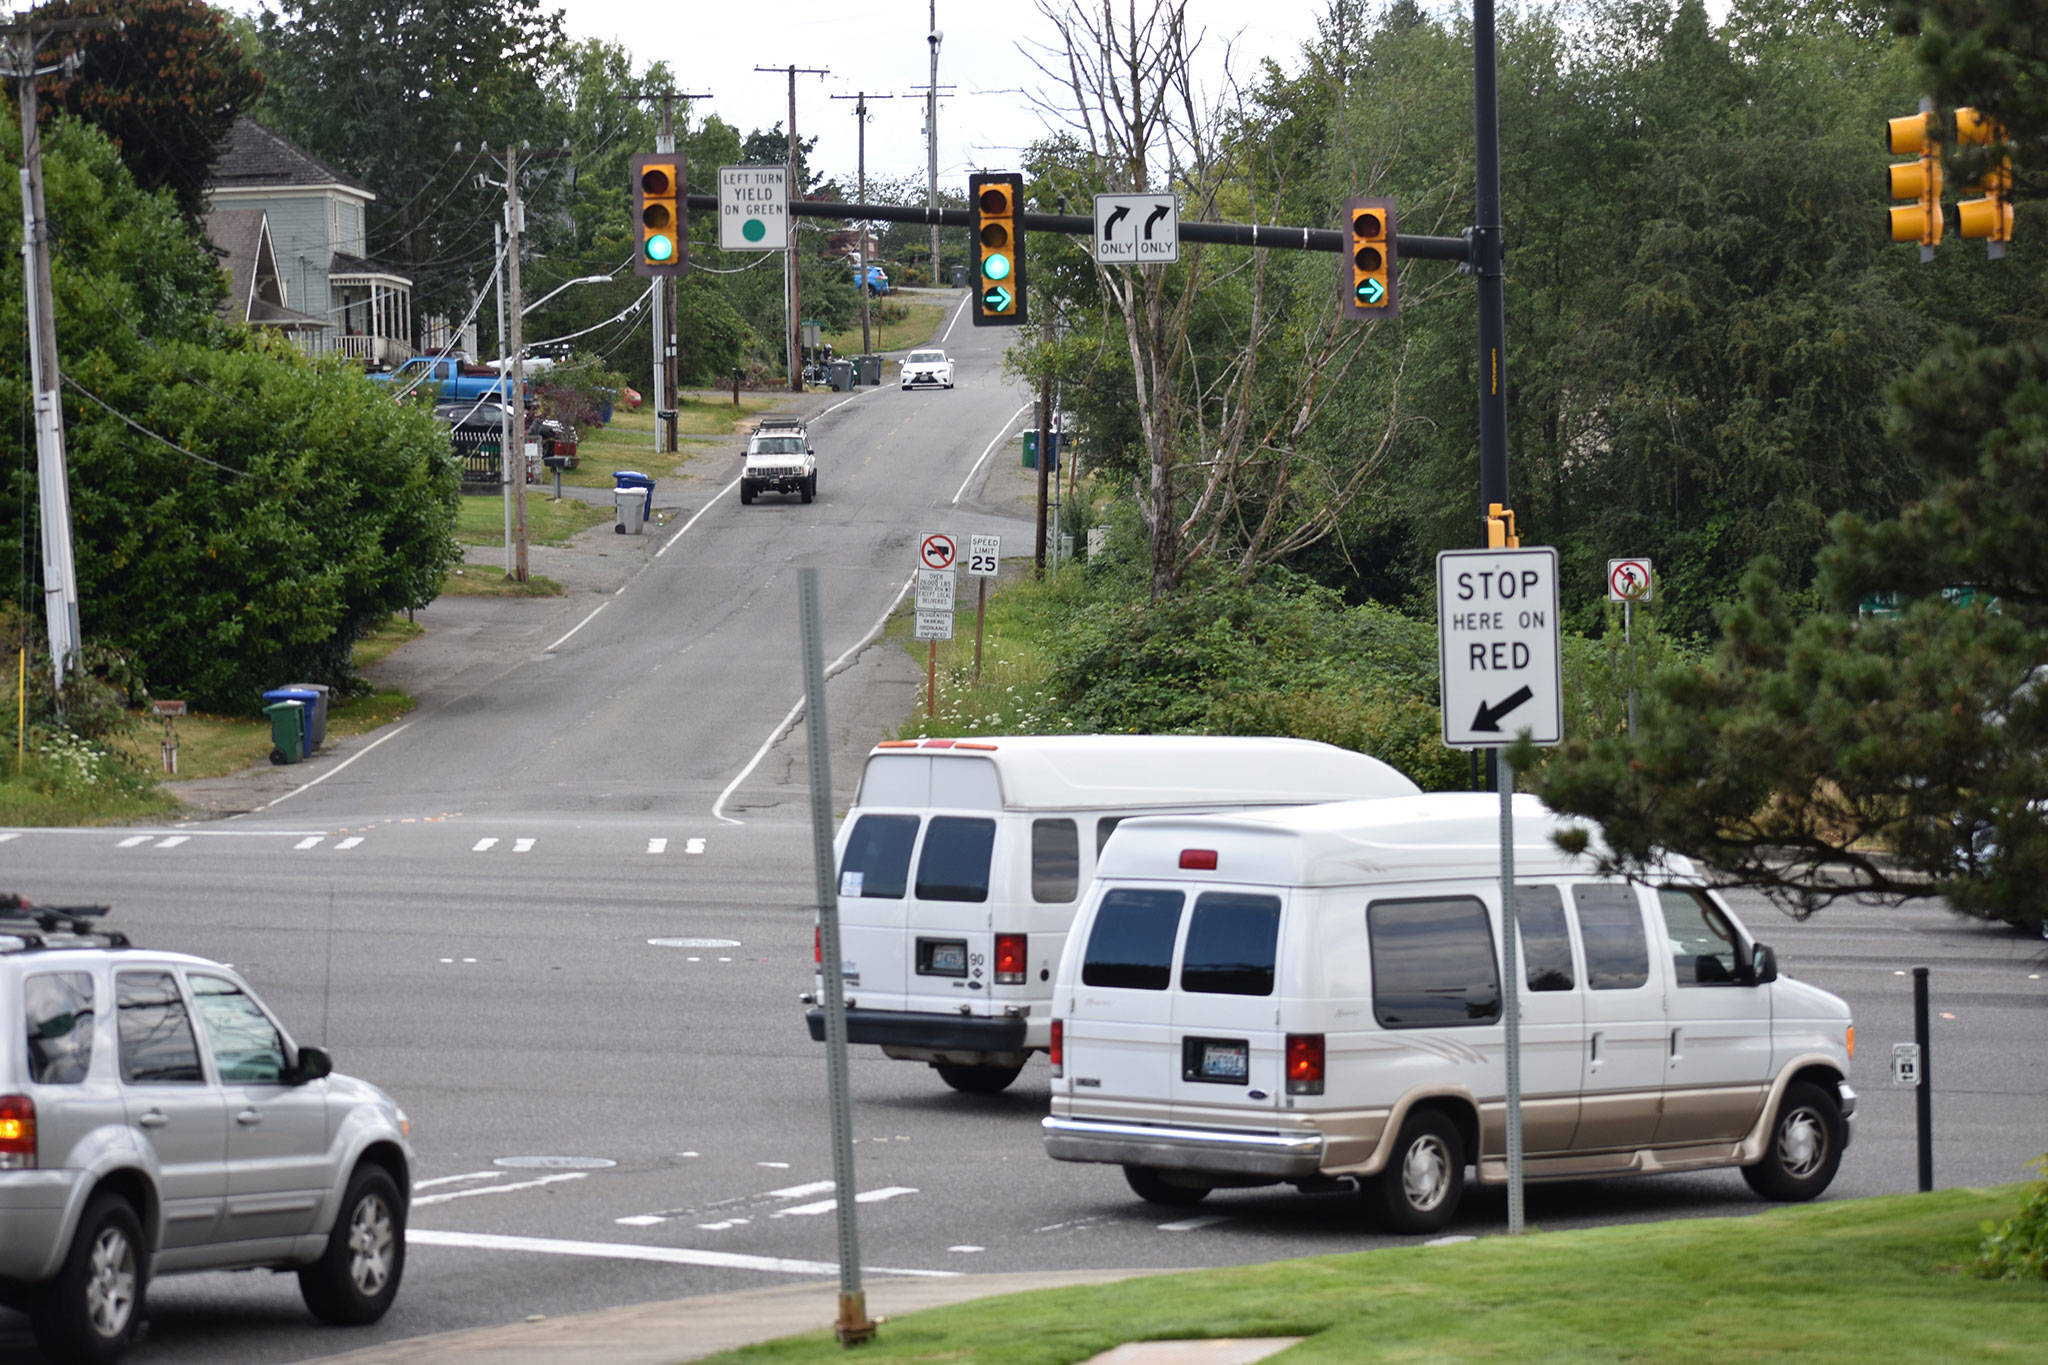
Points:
(307, 700)
(633, 478)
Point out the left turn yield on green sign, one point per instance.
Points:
(753, 208)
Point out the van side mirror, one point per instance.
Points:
(1763, 965)
(313, 1064)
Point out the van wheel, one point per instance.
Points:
(90, 1312)
(977, 1080)
(1154, 1188)
(356, 1278)
(1425, 1176)
(1805, 1147)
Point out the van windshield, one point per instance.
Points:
(954, 863)
(877, 861)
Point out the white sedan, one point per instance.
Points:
(927, 367)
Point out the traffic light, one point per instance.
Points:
(1500, 528)
(658, 190)
(1991, 216)
(1918, 180)
(998, 254)
(1365, 267)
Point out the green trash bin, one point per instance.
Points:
(1030, 448)
(287, 731)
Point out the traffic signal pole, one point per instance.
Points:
(1485, 262)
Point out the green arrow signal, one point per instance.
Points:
(1371, 292)
(997, 300)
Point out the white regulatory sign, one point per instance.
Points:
(1628, 580)
(1137, 229)
(753, 208)
(984, 555)
(1906, 1065)
(935, 625)
(936, 550)
(935, 590)
(1496, 613)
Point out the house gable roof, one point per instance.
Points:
(241, 237)
(253, 157)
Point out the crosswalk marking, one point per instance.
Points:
(310, 841)
(483, 846)
(827, 1205)
(173, 841)
(134, 839)
(657, 845)
(522, 845)
(694, 846)
(348, 843)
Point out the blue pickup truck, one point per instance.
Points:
(456, 380)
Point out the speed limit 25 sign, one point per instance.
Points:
(984, 555)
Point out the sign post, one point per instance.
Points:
(1629, 582)
(984, 557)
(1497, 647)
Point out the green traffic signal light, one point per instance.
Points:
(996, 267)
(660, 248)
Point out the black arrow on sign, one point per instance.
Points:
(1489, 716)
(1109, 223)
(1157, 213)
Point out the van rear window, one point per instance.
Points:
(1432, 963)
(954, 863)
(1131, 945)
(878, 853)
(1231, 940)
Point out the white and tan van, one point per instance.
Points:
(1313, 996)
(961, 863)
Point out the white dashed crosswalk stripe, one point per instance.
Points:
(483, 846)
(346, 844)
(657, 845)
(694, 846)
(522, 845)
(134, 839)
(173, 841)
(310, 841)
(827, 1205)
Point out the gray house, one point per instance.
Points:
(313, 230)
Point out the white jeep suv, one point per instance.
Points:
(155, 1117)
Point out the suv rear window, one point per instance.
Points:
(953, 865)
(1231, 941)
(60, 1026)
(156, 1034)
(1432, 963)
(1131, 945)
(878, 856)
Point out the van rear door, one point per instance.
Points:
(1119, 1043)
(874, 878)
(1228, 1049)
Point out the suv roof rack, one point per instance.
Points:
(782, 422)
(69, 922)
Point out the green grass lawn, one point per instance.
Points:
(1857, 1280)
(481, 519)
(915, 326)
(705, 421)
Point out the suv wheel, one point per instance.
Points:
(809, 488)
(746, 491)
(90, 1312)
(356, 1278)
(1425, 1177)
(1804, 1149)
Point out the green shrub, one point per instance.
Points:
(2017, 1249)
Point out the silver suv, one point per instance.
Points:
(155, 1117)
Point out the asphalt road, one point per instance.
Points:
(564, 918)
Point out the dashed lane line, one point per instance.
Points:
(827, 1205)
(1207, 1220)
(623, 1251)
(447, 1195)
(454, 1179)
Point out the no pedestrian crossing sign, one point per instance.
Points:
(753, 208)
(1497, 646)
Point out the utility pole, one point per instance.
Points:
(931, 135)
(514, 221)
(860, 118)
(60, 574)
(505, 403)
(792, 287)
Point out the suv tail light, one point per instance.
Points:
(17, 1133)
(1304, 1063)
(1058, 1049)
(1010, 959)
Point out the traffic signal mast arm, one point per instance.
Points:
(1270, 236)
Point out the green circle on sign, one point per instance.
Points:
(753, 229)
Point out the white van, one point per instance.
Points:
(1312, 995)
(961, 863)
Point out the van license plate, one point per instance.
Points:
(941, 957)
(1223, 1060)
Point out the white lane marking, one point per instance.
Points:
(865, 1197)
(710, 503)
(5, 837)
(134, 839)
(640, 1220)
(694, 846)
(578, 626)
(625, 1251)
(331, 771)
(453, 1179)
(1207, 1220)
(789, 721)
(310, 841)
(947, 335)
(964, 1250)
(500, 1189)
(721, 1227)
(801, 1191)
(174, 841)
(346, 844)
(657, 845)
(961, 492)
(483, 846)
(522, 845)
(774, 1165)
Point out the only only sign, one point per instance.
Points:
(1497, 646)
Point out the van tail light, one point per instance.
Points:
(17, 1133)
(1059, 1048)
(1009, 959)
(1198, 859)
(1304, 1063)
(818, 946)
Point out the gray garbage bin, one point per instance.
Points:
(316, 719)
(959, 277)
(841, 372)
(632, 510)
(870, 369)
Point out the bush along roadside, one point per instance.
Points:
(2017, 1249)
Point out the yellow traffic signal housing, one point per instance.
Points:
(998, 249)
(1500, 528)
(1918, 180)
(1365, 266)
(658, 196)
(1990, 217)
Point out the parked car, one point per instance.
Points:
(926, 367)
(156, 1117)
(872, 278)
(1314, 996)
